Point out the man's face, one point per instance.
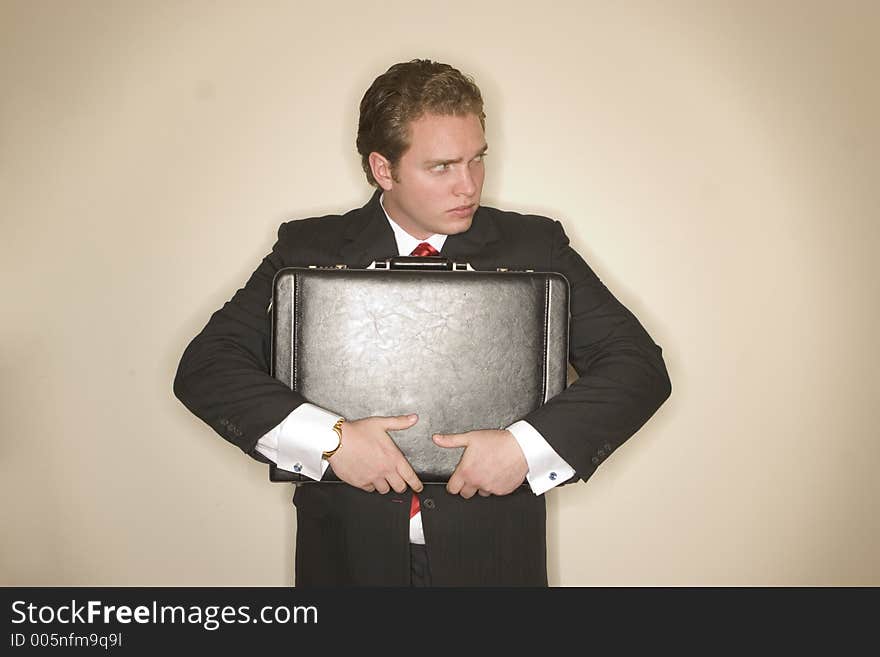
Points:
(439, 178)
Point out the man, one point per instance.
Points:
(422, 144)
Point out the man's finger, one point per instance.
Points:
(404, 469)
(396, 482)
(382, 486)
(451, 439)
(455, 483)
(483, 493)
(399, 422)
(467, 492)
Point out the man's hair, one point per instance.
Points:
(404, 93)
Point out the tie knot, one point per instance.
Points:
(425, 249)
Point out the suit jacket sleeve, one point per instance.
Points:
(622, 379)
(223, 376)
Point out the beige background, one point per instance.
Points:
(715, 162)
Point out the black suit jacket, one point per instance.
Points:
(348, 537)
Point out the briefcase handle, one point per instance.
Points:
(421, 263)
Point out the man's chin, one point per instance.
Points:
(457, 225)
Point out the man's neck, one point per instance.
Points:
(421, 238)
(406, 241)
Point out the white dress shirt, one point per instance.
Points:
(297, 444)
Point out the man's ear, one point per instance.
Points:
(381, 168)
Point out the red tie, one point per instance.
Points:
(423, 249)
(414, 507)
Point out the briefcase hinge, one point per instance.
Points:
(328, 266)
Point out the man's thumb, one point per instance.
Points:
(400, 422)
(450, 440)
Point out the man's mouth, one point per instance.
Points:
(462, 210)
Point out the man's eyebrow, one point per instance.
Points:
(433, 163)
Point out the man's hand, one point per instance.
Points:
(368, 459)
(492, 463)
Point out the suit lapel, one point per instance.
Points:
(368, 236)
(483, 231)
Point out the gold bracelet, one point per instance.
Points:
(338, 429)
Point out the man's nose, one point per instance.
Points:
(465, 185)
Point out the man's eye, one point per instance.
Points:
(440, 167)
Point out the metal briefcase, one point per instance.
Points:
(464, 349)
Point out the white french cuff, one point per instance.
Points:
(546, 468)
(297, 444)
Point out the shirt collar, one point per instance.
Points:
(406, 242)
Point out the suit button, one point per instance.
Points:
(607, 448)
(595, 460)
(601, 453)
(428, 503)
